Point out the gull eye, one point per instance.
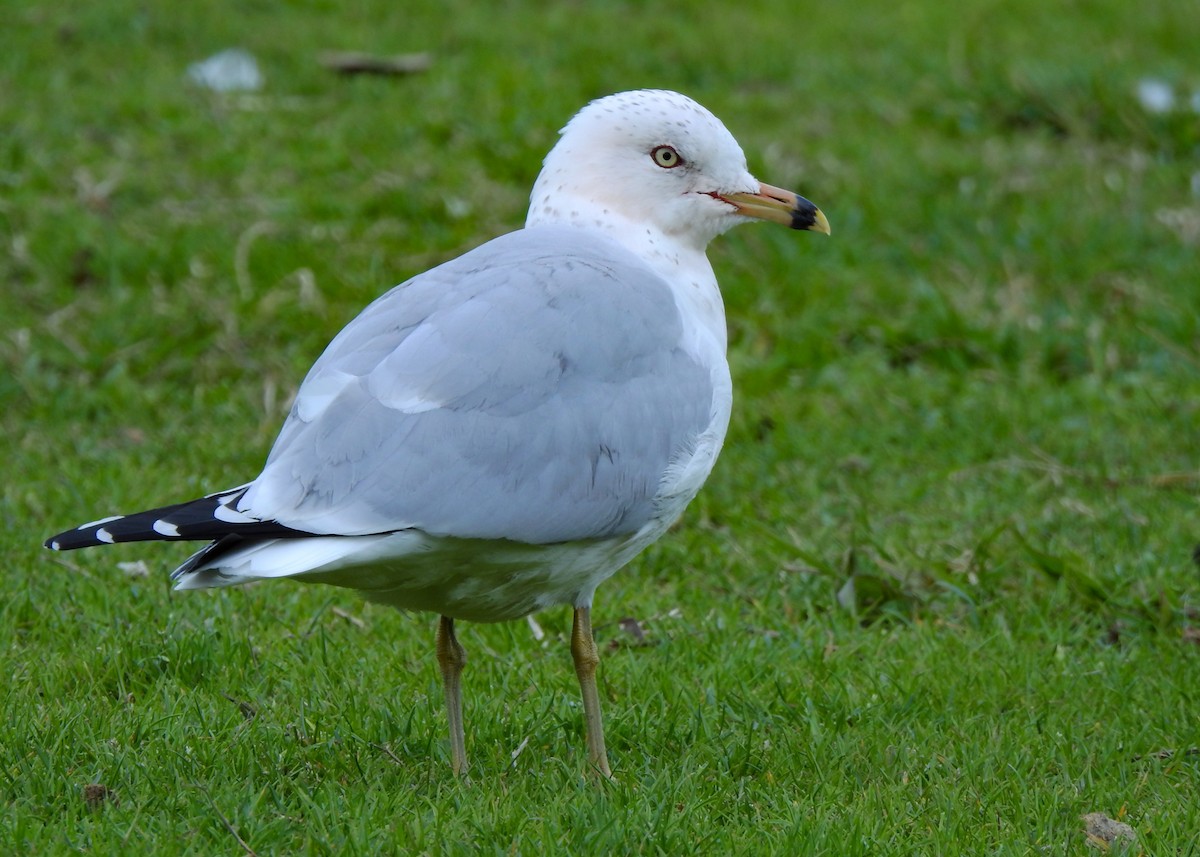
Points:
(666, 157)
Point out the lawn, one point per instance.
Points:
(940, 595)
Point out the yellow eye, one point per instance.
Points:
(666, 157)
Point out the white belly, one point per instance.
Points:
(472, 579)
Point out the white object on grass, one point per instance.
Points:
(233, 70)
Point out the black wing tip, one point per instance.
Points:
(206, 519)
(80, 537)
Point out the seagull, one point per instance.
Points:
(502, 433)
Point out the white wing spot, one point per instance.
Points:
(232, 516)
(105, 536)
(165, 528)
(101, 521)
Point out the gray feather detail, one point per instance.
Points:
(512, 393)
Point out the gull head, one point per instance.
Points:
(656, 160)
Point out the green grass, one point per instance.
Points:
(938, 596)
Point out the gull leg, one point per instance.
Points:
(451, 658)
(583, 650)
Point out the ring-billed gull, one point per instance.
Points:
(502, 433)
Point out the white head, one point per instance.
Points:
(658, 159)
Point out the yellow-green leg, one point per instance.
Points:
(451, 658)
(583, 650)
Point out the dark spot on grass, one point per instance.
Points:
(1167, 754)
(82, 273)
(95, 795)
(942, 353)
(249, 712)
(1104, 832)
(763, 429)
(633, 628)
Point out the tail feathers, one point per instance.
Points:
(209, 552)
(209, 518)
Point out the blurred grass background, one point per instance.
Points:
(938, 596)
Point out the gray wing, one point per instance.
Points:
(534, 389)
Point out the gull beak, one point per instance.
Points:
(778, 206)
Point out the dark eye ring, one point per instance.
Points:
(666, 157)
